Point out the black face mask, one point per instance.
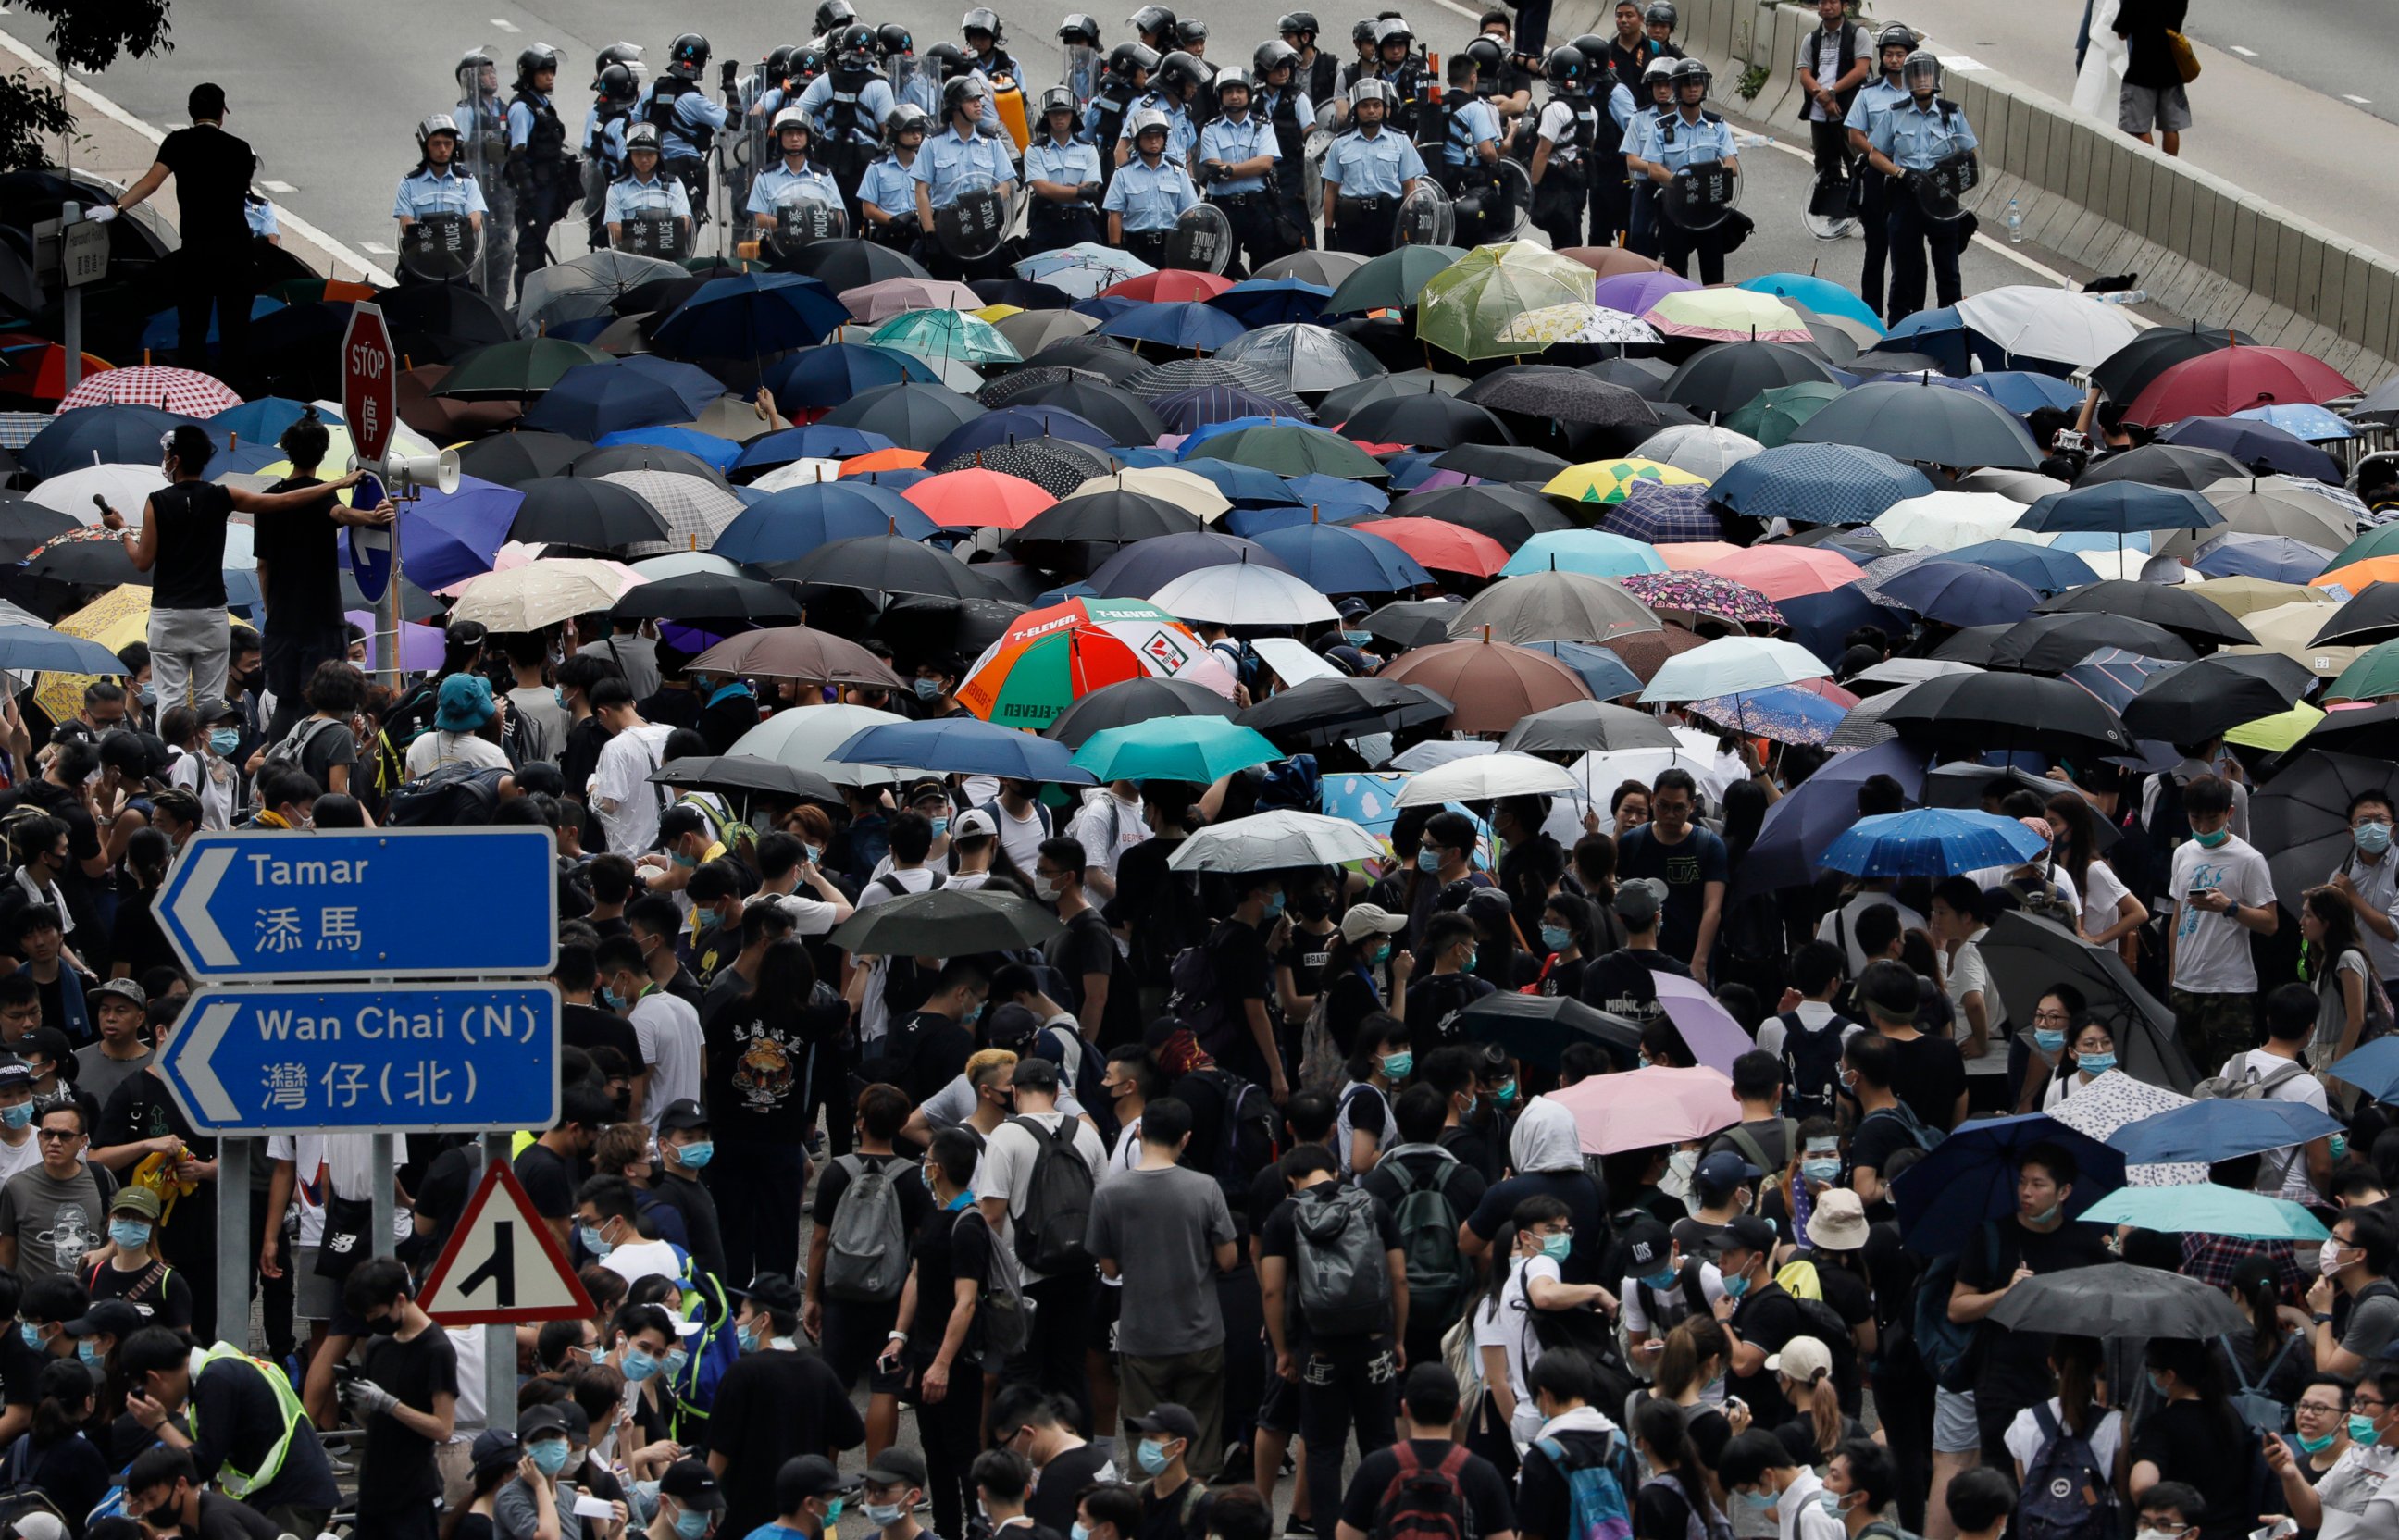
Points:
(1313, 905)
(384, 1326)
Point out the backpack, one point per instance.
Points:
(1439, 1279)
(1194, 999)
(1811, 1066)
(1423, 1502)
(2166, 827)
(2065, 1495)
(1319, 1060)
(1057, 1200)
(1947, 1347)
(456, 795)
(866, 1247)
(1596, 1505)
(1824, 1324)
(1245, 1136)
(1345, 1285)
(2261, 1411)
(2245, 1083)
(1714, 1526)
(291, 748)
(1924, 1135)
(1003, 1315)
(1665, 1312)
(1755, 1153)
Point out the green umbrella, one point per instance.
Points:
(1199, 750)
(946, 336)
(1772, 417)
(2373, 676)
(2205, 1209)
(1391, 280)
(2382, 540)
(1465, 309)
(526, 366)
(1289, 449)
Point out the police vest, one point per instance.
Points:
(546, 146)
(240, 1484)
(669, 90)
(1109, 107)
(1291, 135)
(844, 118)
(1584, 139)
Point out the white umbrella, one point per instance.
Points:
(126, 487)
(1487, 778)
(1266, 842)
(805, 738)
(2115, 1099)
(1730, 665)
(1910, 671)
(804, 472)
(1598, 774)
(685, 564)
(1293, 661)
(541, 593)
(1700, 448)
(1243, 593)
(1945, 521)
(2018, 486)
(1190, 490)
(1433, 752)
(695, 509)
(2029, 321)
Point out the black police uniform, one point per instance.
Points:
(544, 180)
(1295, 223)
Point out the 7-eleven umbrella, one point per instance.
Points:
(1727, 316)
(1049, 658)
(970, 499)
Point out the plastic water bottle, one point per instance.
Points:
(2015, 224)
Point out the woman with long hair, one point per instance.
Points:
(1803, 1371)
(2335, 961)
(136, 942)
(2273, 1358)
(2194, 1437)
(1381, 1060)
(59, 1461)
(1688, 1374)
(1673, 1502)
(2110, 915)
(1754, 940)
(2079, 1408)
(2070, 1049)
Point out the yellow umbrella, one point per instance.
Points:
(1607, 481)
(2278, 732)
(117, 619)
(996, 312)
(2290, 629)
(339, 449)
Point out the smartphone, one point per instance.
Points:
(2279, 1530)
(2198, 893)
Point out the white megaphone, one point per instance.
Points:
(404, 474)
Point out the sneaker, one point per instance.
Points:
(1295, 1525)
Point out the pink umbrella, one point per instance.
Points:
(1786, 572)
(1709, 1031)
(183, 390)
(1646, 1107)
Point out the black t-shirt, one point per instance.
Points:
(927, 1051)
(192, 518)
(1686, 867)
(1239, 954)
(222, 1519)
(2017, 1362)
(1660, 1513)
(398, 1470)
(239, 1421)
(1280, 1237)
(1462, 1184)
(1087, 946)
(137, 940)
(1489, 1508)
(1477, 1147)
(1872, 1144)
(1624, 983)
(158, 1290)
(703, 1236)
(1180, 1514)
(771, 1407)
(1766, 1319)
(20, 1367)
(908, 1183)
(1929, 1073)
(950, 1245)
(1434, 1000)
(212, 171)
(1544, 1502)
(1563, 980)
(549, 1178)
(1350, 1000)
(759, 1053)
(139, 1109)
(1587, 1204)
(2210, 1450)
(589, 1027)
(1051, 1504)
(296, 563)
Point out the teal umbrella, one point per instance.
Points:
(946, 336)
(1191, 748)
(2207, 1209)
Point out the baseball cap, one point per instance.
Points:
(771, 1291)
(1011, 1026)
(1803, 1358)
(216, 709)
(803, 1477)
(1364, 920)
(682, 1114)
(971, 823)
(1168, 1418)
(495, 1448)
(15, 1072)
(107, 1318)
(925, 789)
(136, 1201)
(1722, 1172)
(1648, 1246)
(896, 1467)
(1747, 1233)
(541, 1422)
(125, 989)
(1838, 1221)
(691, 1483)
(1354, 608)
(1488, 903)
(1639, 900)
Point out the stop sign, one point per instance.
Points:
(369, 383)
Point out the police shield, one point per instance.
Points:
(1700, 197)
(1494, 206)
(802, 218)
(650, 228)
(1426, 217)
(1202, 240)
(439, 248)
(1831, 212)
(912, 82)
(1081, 75)
(749, 149)
(1940, 193)
(971, 225)
(482, 114)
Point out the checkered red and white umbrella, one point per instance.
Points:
(185, 391)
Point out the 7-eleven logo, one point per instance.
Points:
(1163, 651)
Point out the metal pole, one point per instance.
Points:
(70, 215)
(388, 611)
(499, 1340)
(379, 1201)
(237, 1255)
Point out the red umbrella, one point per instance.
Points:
(2232, 379)
(1494, 683)
(37, 370)
(1445, 546)
(1169, 286)
(1608, 260)
(964, 499)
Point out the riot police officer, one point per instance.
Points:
(1658, 20)
(1395, 45)
(1460, 137)
(1079, 39)
(1366, 173)
(912, 85)
(1062, 172)
(647, 192)
(1154, 26)
(1280, 99)
(617, 87)
(1237, 156)
(796, 175)
(986, 47)
(1149, 191)
(1317, 72)
(1907, 142)
(1892, 46)
(1177, 83)
(887, 194)
(848, 105)
(1691, 136)
(678, 106)
(482, 116)
(540, 172)
(1643, 215)
(1566, 156)
(1368, 64)
(963, 154)
(1499, 84)
(950, 62)
(834, 15)
(438, 187)
(1615, 101)
(1125, 82)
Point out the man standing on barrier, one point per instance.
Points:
(1367, 172)
(1907, 146)
(1692, 140)
(1062, 172)
(1880, 95)
(1149, 191)
(1238, 152)
(678, 106)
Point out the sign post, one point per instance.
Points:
(370, 402)
(73, 252)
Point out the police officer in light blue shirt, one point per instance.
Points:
(1237, 156)
(960, 156)
(850, 91)
(1907, 142)
(688, 121)
(793, 179)
(1641, 216)
(1173, 85)
(1367, 172)
(1149, 191)
(886, 193)
(645, 192)
(1690, 136)
(438, 185)
(1063, 173)
(1892, 46)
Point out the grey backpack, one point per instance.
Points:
(866, 1250)
(1345, 1282)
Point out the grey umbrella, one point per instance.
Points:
(947, 923)
(1924, 423)
(2027, 957)
(1562, 395)
(1164, 379)
(1581, 725)
(2118, 1299)
(1553, 606)
(1338, 404)
(1301, 357)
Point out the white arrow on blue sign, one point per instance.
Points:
(347, 903)
(366, 1058)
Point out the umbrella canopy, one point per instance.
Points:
(1144, 566)
(1657, 1105)
(830, 374)
(2119, 508)
(1592, 553)
(896, 294)
(2052, 643)
(945, 336)
(2120, 1300)
(806, 739)
(1509, 515)
(1335, 708)
(786, 525)
(1822, 295)
(1725, 378)
(1947, 521)
(1464, 309)
(1196, 749)
(2031, 321)
(2259, 445)
(1444, 546)
(695, 509)
(2029, 956)
(947, 922)
(540, 594)
(2221, 1128)
(2174, 607)
(1817, 484)
(1181, 325)
(1486, 777)
(801, 653)
(2200, 700)
(1576, 323)
(2167, 466)
(1538, 1028)
(710, 597)
(846, 267)
(1243, 593)
(884, 564)
(1338, 559)
(1494, 685)
(1588, 726)
(1730, 665)
(600, 514)
(1290, 450)
(1560, 395)
(2208, 1209)
(1982, 710)
(1431, 419)
(2371, 615)
(911, 415)
(2302, 815)
(1551, 606)
(1701, 449)
(1279, 839)
(976, 499)
(963, 746)
(1783, 571)
(1933, 842)
(1917, 423)
(1136, 700)
(186, 391)
(750, 315)
(2372, 1069)
(1961, 593)
(1299, 356)
(1662, 515)
(515, 459)
(1050, 657)
(1083, 531)
(1971, 1178)
(1392, 281)
(1727, 316)
(2124, 373)
(2219, 384)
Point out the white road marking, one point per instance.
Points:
(274, 186)
(378, 247)
(2245, 53)
(2361, 101)
(504, 24)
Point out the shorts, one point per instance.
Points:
(1954, 1429)
(1278, 1401)
(314, 1296)
(1107, 1303)
(2137, 107)
(855, 1335)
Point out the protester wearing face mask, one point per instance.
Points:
(2368, 879)
(2171, 1510)
(893, 1487)
(135, 1270)
(774, 1407)
(1761, 1477)
(1366, 971)
(1364, 1127)
(1108, 1513)
(1859, 1484)
(2355, 1261)
(2223, 894)
(949, 1258)
(1307, 897)
(405, 1397)
(2339, 1502)
(530, 1508)
(103, 1325)
(690, 1503)
(609, 1230)
(1539, 1235)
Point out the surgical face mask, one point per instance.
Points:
(593, 1242)
(2044, 1216)
(833, 1511)
(815, 852)
(1359, 639)
(1557, 1247)
(1736, 1284)
(1661, 1281)
(18, 1116)
(1275, 902)
(929, 689)
(2157, 1384)
(30, 1334)
(940, 827)
(2046, 1041)
(559, 694)
(686, 861)
(1152, 1457)
(2362, 1431)
(748, 1337)
(1820, 1171)
(675, 1361)
(974, 1014)
(1382, 954)
(147, 694)
(1080, 1532)
(1506, 1094)
(637, 1365)
(2316, 1446)
(1428, 860)
(1831, 1503)
(225, 741)
(696, 1156)
(131, 1233)
(1556, 937)
(882, 1514)
(611, 999)
(2329, 1259)
(2372, 836)
(93, 1358)
(550, 1456)
(2213, 838)
(1467, 1110)
(1397, 1065)
(706, 919)
(1045, 890)
(2097, 1063)
(1756, 1502)
(691, 1523)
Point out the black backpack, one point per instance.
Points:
(1811, 1065)
(457, 795)
(1423, 1502)
(1057, 1200)
(2066, 1494)
(1196, 999)
(1245, 1138)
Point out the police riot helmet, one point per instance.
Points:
(1234, 80)
(471, 66)
(832, 15)
(1566, 69)
(779, 60)
(688, 55)
(1922, 73)
(958, 91)
(1079, 28)
(1126, 58)
(617, 86)
(854, 49)
(1659, 71)
(1369, 90)
(1057, 98)
(534, 61)
(893, 38)
(641, 136)
(1190, 30)
(437, 123)
(1395, 30)
(1487, 52)
(949, 58)
(1661, 13)
(1690, 72)
(1143, 120)
(1272, 55)
(904, 117)
(626, 54)
(791, 117)
(1365, 32)
(1297, 22)
(1594, 48)
(982, 19)
(1179, 69)
(1896, 35)
(1151, 21)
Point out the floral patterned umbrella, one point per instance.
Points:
(1700, 593)
(1786, 714)
(1576, 322)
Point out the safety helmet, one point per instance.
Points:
(626, 54)
(1395, 30)
(791, 117)
(1143, 120)
(437, 123)
(688, 55)
(477, 61)
(1566, 69)
(1896, 35)
(1272, 55)
(1057, 98)
(1190, 30)
(1301, 21)
(807, 62)
(960, 91)
(854, 48)
(1487, 52)
(832, 14)
(642, 136)
(903, 117)
(1367, 88)
(618, 85)
(981, 18)
(950, 58)
(1152, 19)
(1594, 48)
(1079, 28)
(1179, 69)
(1229, 79)
(1659, 71)
(1922, 69)
(1661, 13)
(534, 59)
(779, 60)
(894, 38)
(1364, 31)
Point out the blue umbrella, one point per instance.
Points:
(1819, 621)
(1105, 307)
(247, 456)
(1803, 825)
(163, 331)
(1664, 515)
(1145, 457)
(1817, 484)
(1933, 842)
(1822, 295)
(1945, 1199)
(963, 746)
(1961, 593)
(2021, 391)
(1176, 325)
(113, 435)
(1605, 675)
(2257, 445)
(2119, 508)
(1593, 553)
(1338, 559)
(706, 446)
(786, 525)
(1016, 424)
(818, 440)
(751, 316)
(2274, 557)
(1138, 569)
(593, 399)
(1250, 520)
(2041, 568)
(264, 420)
(2221, 1129)
(2116, 676)
(1186, 411)
(1241, 483)
(447, 536)
(1784, 713)
(1410, 467)
(1206, 431)
(695, 385)
(2301, 420)
(24, 649)
(583, 329)
(832, 375)
(899, 479)
(2372, 1069)
(1945, 336)
(1271, 301)
(1331, 491)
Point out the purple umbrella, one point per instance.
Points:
(1663, 515)
(420, 646)
(1709, 1031)
(1637, 293)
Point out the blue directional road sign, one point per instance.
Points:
(347, 903)
(366, 1058)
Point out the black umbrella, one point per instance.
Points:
(850, 264)
(600, 515)
(1122, 417)
(883, 563)
(1538, 1028)
(1342, 400)
(1724, 377)
(1971, 645)
(2302, 815)
(1561, 395)
(1001, 389)
(747, 773)
(2371, 616)
(1100, 355)
(453, 310)
(1336, 709)
(911, 415)
(2371, 730)
(695, 597)
(1430, 421)
(1068, 533)
(25, 524)
(100, 559)
(515, 459)
(1894, 360)
(1582, 726)
(1134, 700)
(656, 298)
(947, 922)
(962, 626)
(1413, 622)
(2167, 466)
(1023, 294)
(2127, 371)
(1918, 420)
(2052, 643)
(1056, 465)
(2029, 957)
(1964, 783)
(2171, 606)
(1509, 515)
(297, 350)
(1644, 377)
(2217, 694)
(610, 458)
(1501, 463)
(1997, 710)
(415, 603)
(2118, 1299)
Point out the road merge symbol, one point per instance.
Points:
(502, 1265)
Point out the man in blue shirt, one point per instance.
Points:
(1171, 92)
(1367, 172)
(1062, 172)
(1149, 191)
(482, 116)
(1124, 82)
(1238, 152)
(1692, 138)
(1468, 129)
(678, 106)
(646, 194)
(1904, 144)
(1282, 100)
(1880, 95)
(887, 194)
(959, 159)
(1642, 217)
(439, 192)
(615, 89)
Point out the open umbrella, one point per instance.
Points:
(1335, 557)
(1915, 422)
(1592, 553)
(1701, 449)
(710, 597)
(963, 746)
(1279, 839)
(1494, 685)
(2174, 607)
(1945, 1199)
(1657, 1105)
(1984, 710)
(1960, 593)
(1197, 749)
(947, 922)
(912, 415)
(1290, 450)
(2118, 1299)
(2169, 466)
(748, 316)
(2301, 816)
(540, 594)
(2208, 1209)
(1464, 309)
(1392, 281)
(2259, 445)
(802, 654)
(2035, 321)
(2124, 373)
(1180, 325)
(1585, 726)
(2200, 700)
(1299, 356)
(1551, 606)
(1243, 593)
(1335, 708)
(1731, 664)
(1727, 316)
(1537, 1029)
(830, 374)
(1560, 395)
(596, 514)
(1050, 657)
(2219, 384)
(1933, 842)
(2052, 643)
(1431, 419)
(1817, 484)
(2028, 957)
(2221, 1128)
(884, 564)
(1726, 377)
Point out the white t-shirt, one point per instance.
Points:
(668, 1030)
(953, 1103)
(2378, 885)
(1812, 1013)
(1840, 927)
(2282, 1171)
(437, 748)
(2359, 1496)
(1507, 1326)
(1108, 826)
(642, 1259)
(211, 779)
(1021, 837)
(345, 1162)
(1127, 1154)
(621, 793)
(2024, 1437)
(1636, 1320)
(1798, 1515)
(875, 1017)
(2211, 951)
(2104, 891)
(1008, 1160)
(1969, 975)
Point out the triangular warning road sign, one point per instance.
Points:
(502, 1265)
